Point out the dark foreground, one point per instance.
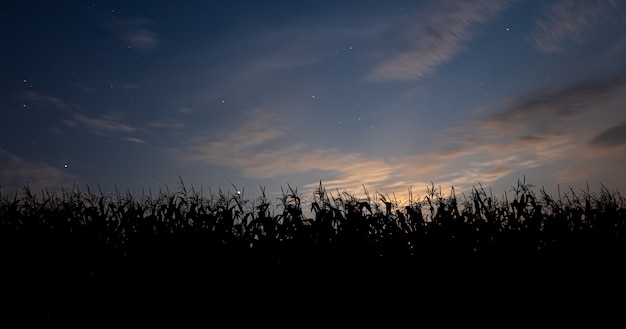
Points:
(180, 260)
(176, 290)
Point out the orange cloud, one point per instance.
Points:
(547, 132)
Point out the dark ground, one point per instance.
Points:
(179, 292)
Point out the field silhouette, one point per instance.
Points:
(182, 257)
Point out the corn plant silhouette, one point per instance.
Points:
(220, 247)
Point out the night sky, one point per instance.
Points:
(390, 95)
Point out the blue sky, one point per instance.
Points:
(389, 95)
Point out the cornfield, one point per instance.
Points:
(86, 239)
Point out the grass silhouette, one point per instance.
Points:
(182, 256)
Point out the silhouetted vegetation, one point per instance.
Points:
(222, 245)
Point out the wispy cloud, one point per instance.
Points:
(17, 172)
(75, 117)
(136, 140)
(43, 101)
(294, 48)
(135, 32)
(439, 36)
(574, 21)
(104, 126)
(232, 148)
(287, 52)
(83, 87)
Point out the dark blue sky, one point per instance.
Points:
(386, 94)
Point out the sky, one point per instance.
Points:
(376, 96)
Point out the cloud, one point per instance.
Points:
(254, 148)
(528, 139)
(548, 131)
(258, 148)
(134, 32)
(283, 54)
(136, 140)
(83, 87)
(104, 126)
(304, 47)
(612, 137)
(555, 130)
(231, 148)
(573, 21)
(550, 114)
(436, 39)
(16, 173)
(605, 169)
(44, 102)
